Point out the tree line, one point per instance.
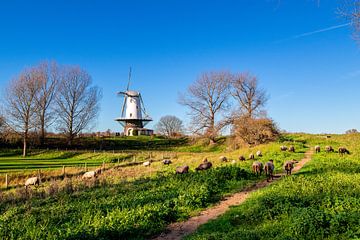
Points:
(48, 95)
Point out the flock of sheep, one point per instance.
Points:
(268, 168)
(257, 167)
(341, 150)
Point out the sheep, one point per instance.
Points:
(204, 166)
(251, 156)
(233, 161)
(32, 181)
(329, 149)
(288, 166)
(242, 158)
(166, 161)
(223, 159)
(269, 170)
(317, 149)
(291, 149)
(343, 150)
(257, 168)
(90, 174)
(259, 153)
(182, 169)
(147, 163)
(283, 148)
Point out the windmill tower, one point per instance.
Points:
(133, 114)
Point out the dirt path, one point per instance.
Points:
(177, 231)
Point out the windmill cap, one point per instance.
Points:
(132, 93)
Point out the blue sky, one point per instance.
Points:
(312, 76)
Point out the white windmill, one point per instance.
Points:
(133, 114)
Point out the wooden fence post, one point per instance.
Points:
(103, 166)
(6, 181)
(63, 171)
(39, 176)
(85, 167)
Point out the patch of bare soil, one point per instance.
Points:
(178, 230)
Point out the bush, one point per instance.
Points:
(252, 131)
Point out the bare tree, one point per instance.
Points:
(250, 97)
(206, 99)
(48, 80)
(169, 126)
(21, 105)
(77, 102)
(350, 10)
(351, 131)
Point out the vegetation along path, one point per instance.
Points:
(181, 229)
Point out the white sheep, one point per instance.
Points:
(259, 153)
(90, 174)
(146, 164)
(32, 181)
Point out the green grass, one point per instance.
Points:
(322, 201)
(12, 160)
(114, 208)
(122, 210)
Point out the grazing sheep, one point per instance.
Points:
(146, 164)
(343, 150)
(166, 161)
(32, 181)
(223, 159)
(251, 156)
(259, 153)
(90, 174)
(283, 148)
(204, 166)
(257, 168)
(288, 166)
(269, 170)
(233, 161)
(317, 149)
(242, 158)
(291, 149)
(182, 169)
(329, 149)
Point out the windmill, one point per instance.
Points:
(133, 114)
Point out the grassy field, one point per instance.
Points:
(128, 202)
(322, 201)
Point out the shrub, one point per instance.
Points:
(252, 131)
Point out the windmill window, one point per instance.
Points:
(130, 114)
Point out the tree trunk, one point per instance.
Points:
(70, 139)
(25, 144)
(42, 131)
